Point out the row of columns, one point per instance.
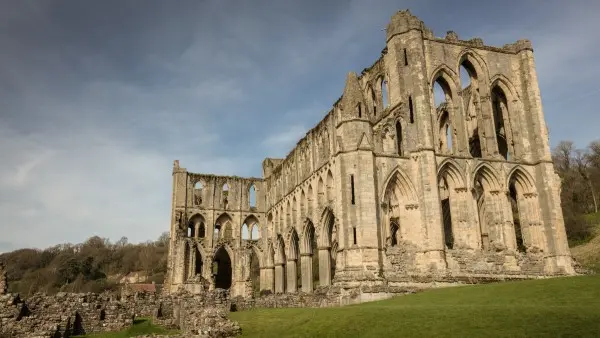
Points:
(283, 276)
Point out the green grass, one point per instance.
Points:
(141, 326)
(558, 307)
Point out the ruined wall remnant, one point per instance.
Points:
(433, 166)
(68, 314)
(3, 280)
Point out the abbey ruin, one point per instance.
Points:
(395, 186)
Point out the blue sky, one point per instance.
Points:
(97, 98)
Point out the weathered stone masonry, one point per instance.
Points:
(391, 187)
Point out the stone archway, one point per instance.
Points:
(222, 270)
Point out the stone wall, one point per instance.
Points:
(68, 314)
(3, 282)
(322, 297)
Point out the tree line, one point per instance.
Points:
(579, 170)
(95, 265)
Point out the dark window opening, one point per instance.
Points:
(405, 58)
(516, 219)
(447, 219)
(359, 110)
(354, 234)
(411, 110)
(394, 234)
(399, 137)
(352, 187)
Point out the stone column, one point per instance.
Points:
(307, 279)
(324, 266)
(292, 276)
(279, 278)
(268, 281)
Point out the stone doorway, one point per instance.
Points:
(222, 269)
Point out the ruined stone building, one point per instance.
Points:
(395, 186)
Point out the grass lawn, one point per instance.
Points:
(558, 307)
(141, 326)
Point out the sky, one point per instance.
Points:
(97, 98)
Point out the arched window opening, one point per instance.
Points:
(516, 217)
(384, 94)
(475, 145)
(374, 101)
(310, 200)
(411, 110)
(217, 232)
(225, 194)
(245, 232)
(320, 192)
(191, 231)
(445, 134)
(465, 76)
(470, 97)
(252, 196)
(405, 57)
(399, 138)
(201, 230)
(330, 196)
(500, 109)
(359, 109)
(394, 233)
(198, 188)
(446, 214)
(199, 263)
(255, 233)
(439, 93)
(354, 235)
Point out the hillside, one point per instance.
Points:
(557, 307)
(588, 253)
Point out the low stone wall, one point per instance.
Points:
(322, 297)
(68, 314)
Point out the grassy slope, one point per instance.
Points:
(559, 307)
(142, 326)
(588, 254)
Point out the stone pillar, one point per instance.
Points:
(324, 266)
(279, 278)
(268, 281)
(292, 276)
(307, 279)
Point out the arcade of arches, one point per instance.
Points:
(427, 169)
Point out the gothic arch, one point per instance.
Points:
(506, 85)
(227, 248)
(327, 226)
(308, 235)
(450, 169)
(269, 255)
(403, 183)
(259, 254)
(489, 175)
(280, 251)
(476, 61)
(524, 182)
(293, 244)
(449, 76)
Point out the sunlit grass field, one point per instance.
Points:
(557, 307)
